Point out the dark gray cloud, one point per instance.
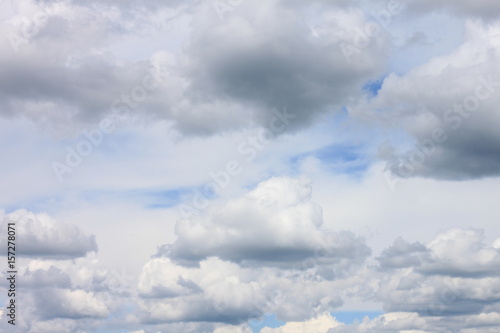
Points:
(232, 73)
(260, 62)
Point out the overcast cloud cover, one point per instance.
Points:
(236, 166)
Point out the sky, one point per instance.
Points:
(238, 166)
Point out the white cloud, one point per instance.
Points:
(321, 324)
(278, 248)
(274, 224)
(40, 236)
(454, 278)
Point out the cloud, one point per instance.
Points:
(259, 63)
(62, 286)
(264, 252)
(486, 9)
(231, 74)
(216, 292)
(321, 324)
(39, 236)
(455, 252)
(56, 303)
(448, 107)
(275, 224)
(232, 329)
(223, 292)
(150, 4)
(41, 278)
(402, 254)
(454, 274)
(396, 322)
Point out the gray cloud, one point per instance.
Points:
(454, 274)
(261, 63)
(449, 107)
(486, 9)
(41, 278)
(39, 236)
(231, 73)
(402, 254)
(63, 303)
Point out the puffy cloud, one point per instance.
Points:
(402, 254)
(217, 291)
(448, 106)
(275, 224)
(60, 72)
(51, 277)
(321, 324)
(390, 322)
(456, 274)
(302, 62)
(455, 252)
(62, 303)
(264, 252)
(232, 73)
(396, 322)
(224, 292)
(39, 236)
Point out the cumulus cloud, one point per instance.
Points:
(217, 291)
(452, 278)
(62, 303)
(40, 236)
(408, 322)
(321, 324)
(40, 278)
(231, 74)
(189, 65)
(224, 292)
(448, 106)
(264, 252)
(262, 63)
(449, 284)
(275, 224)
